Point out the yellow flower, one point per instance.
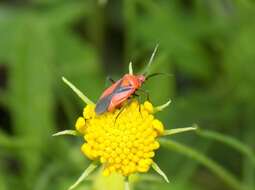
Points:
(124, 140)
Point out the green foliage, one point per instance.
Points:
(214, 167)
(234, 143)
(208, 47)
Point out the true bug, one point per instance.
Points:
(115, 95)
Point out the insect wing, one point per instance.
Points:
(103, 104)
(111, 89)
(119, 96)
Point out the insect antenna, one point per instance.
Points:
(156, 74)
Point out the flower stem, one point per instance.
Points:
(78, 92)
(126, 184)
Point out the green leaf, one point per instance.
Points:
(64, 13)
(30, 91)
(227, 177)
(230, 141)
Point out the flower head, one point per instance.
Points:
(124, 140)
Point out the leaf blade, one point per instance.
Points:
(227, 177)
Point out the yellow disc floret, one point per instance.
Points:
(80, 125)
(124, 140)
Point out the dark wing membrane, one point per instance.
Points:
(122, 89)
(103, 103)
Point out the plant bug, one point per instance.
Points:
(115, 95)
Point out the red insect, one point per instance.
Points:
(120, 91)
(115, 95)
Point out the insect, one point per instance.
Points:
(115, 95)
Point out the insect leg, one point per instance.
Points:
(144, 92)
(122, 109)
(110, 79)
(139, 101)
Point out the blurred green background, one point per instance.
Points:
(208, 46)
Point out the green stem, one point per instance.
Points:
(227, 177)
(126, 183)
(230, 141)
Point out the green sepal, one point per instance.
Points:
(162, 107)
(84, 175)
(130, 68)
(67, 132)
(78, 92)
(159, 171)
(179, 130)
